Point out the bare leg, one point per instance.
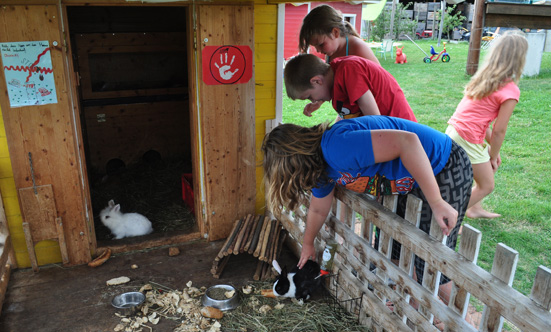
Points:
(484, 178)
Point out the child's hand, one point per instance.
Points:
(308, 252)
(312, 107)
(445, 215)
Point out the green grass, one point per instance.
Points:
(523, 182)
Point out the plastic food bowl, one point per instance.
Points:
(209, 300)
(128, 304)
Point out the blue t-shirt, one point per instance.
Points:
(348, 151)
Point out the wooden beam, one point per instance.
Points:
(517, 9)
(517, 15)
(525, 21)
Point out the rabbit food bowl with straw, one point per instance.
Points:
(223, 297)
(128, 304)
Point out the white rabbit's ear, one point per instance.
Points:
(116, 208)
(276, 266)
(111, 203)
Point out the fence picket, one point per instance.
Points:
(469, 248)
(541, 291)
(503, 268)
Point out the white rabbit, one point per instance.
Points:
(124, 224)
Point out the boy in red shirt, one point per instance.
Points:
(355, 85)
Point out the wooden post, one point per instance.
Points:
(476, 37)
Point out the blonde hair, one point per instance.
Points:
(298, 72)
(503, 64)
(293, 164)
(321, 21)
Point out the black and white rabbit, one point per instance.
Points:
(299, 283)
(124, 224)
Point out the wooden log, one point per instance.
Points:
(241, 234)
(281, 240)
(273, 245)
(258, 271)
(218, 272)
(247, 234)
(228, 240)
(265, 240)
(266, 271)
(270, 240)
(256, 236)
(252, 233)
(261, 237)
(232, 244)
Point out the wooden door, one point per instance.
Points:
(226, 113)
(42, 139)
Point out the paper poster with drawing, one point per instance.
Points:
(29, 73)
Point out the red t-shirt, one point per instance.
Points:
(354, 76)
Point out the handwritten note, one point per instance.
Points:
(29, 73)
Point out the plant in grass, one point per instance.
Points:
(452, 19)
(402, 23)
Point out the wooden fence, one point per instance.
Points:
(356, 252)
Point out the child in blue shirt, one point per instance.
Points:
(379, 155)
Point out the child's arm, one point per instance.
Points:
(368, 105)
(317, 213)
(499, 129)
(391, 144)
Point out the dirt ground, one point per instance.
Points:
(78, 299)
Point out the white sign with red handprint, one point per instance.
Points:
(228, 64)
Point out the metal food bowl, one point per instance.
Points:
(225, 304)
(128, 304)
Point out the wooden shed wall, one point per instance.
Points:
(265, 40)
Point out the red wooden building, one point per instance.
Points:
(295, 13)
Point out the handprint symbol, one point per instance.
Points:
(227, 64)
(225, 68)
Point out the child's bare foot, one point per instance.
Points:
(477, 211)
(481, 213)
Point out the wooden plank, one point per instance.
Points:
(529, 22)
(517, 9)
(159, 242)
(385, 242)
(47, 130)
(541, 290)
(469, 248)
(407, 257)
(39, 211)
(30, 246)
(503, 268)
(431, 275)
(228, 145)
